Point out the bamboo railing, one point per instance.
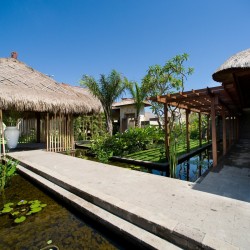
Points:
(59, 132)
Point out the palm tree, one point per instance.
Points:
(107, 90)
(139, 94)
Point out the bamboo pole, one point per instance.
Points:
(72, 134)
(55, 130)
(47, 131)
(68, 133)
(60, 132)
(2, 132)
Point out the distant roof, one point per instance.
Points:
(149, 115)
(25, 89)
(237, 62)
(128, 101)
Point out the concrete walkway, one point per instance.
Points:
(189, 215)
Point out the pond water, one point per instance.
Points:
(55, 222)
(189, 170)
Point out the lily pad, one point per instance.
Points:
(15, 213)
(22, 202)
(9, 204)
(36, 209)
(20, 219)
(7, 210)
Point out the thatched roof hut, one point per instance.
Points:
(239, 62)
(235, 77)
(25, 89)
(47, 108)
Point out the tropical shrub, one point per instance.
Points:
(121, 144)
(7, 170)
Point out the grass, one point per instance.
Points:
(158, 154)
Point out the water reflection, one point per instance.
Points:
(193, 168)
(189, 170)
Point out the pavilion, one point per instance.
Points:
(46, 107)
(230, 101)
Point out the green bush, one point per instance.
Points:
(7, 170)
(132, 140)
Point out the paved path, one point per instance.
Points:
(172, 209)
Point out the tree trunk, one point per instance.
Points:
(109, 126)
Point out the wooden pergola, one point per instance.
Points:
(216, 101)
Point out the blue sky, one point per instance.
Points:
(69, 38)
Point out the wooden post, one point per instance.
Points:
(214, 137)
(200, 131)
(2, 133)
(187, 130)
(72, 133)
(224, 127)
(208, 128)
(237, 129)
(38, 127)
(47, 131)
(230, 131)
(166, 134)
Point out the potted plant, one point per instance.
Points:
(11, 132)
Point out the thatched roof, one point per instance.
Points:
(236, 63)
(25, 89)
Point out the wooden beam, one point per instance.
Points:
(166, 124)
(200, 131)
(214, 137)
(224, 125)
(187, 130)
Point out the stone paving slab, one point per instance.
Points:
(140, 237)
(173, 206)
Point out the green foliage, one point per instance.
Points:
(194, 125)
(139, 94)
(166, 79)
(7, 170)
(86, 127)
(11, 117)
(20, 210)
(120, 144)
(107, 90)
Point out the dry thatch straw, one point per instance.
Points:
(237, 62)
(25, 89)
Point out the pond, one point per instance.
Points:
(189, 170)
(65, 228)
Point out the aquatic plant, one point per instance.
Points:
(7, 170)
(20, 210)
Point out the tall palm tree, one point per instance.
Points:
(139, 94)
(107, 90)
